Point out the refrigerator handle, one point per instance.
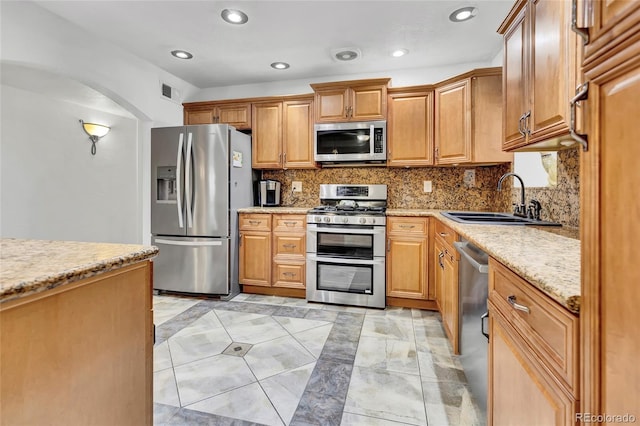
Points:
(178, 180)
(187, 179)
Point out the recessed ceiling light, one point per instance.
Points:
(463, 14)
(233, 16)
(399, 52)
(181, 54)
(280, 65)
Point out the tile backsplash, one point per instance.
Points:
(404, 186)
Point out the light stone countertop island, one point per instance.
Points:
(76, 333)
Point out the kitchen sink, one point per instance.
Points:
(491, 218)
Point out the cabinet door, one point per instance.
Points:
(238, 115)
(520, 391)
(407, 267)
(450, 289)
(266, 150)
(199, 117)
(255, 258)
(552, 68)
(297, 134)
(368, 103)
(613, 21)
(289, 273)
(453, 123)
(611, 296)
(513, 81)
(332, 104)
(410, 129)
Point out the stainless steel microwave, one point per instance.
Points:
(364, 141)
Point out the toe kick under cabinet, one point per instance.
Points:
(533, 354)
(272, 253)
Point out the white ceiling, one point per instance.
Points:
(302, 33)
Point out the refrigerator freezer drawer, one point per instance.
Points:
(192, 265)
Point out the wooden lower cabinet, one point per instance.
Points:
(521, 391)
(445, 263)
(81, 353)
(272, 254)
(407, 262)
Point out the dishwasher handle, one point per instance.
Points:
(463, 249)
(482, 318)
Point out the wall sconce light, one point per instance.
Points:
(95, 132)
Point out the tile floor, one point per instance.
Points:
(280, 361)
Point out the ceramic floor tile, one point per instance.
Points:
(246, 403)
(322, 315)
(256, 330)
(388, 328)
(295, 325)
(330, 377)
(276, 356)
(163, 413)
(391, 312)
(165, 390)
(349, 419)
(167, 307)
(449, 403)
(341, 308)
(161, 357)
(194, 344)
(235, 317)
(208, 377)
(318, 409)
(285, 389)
(387, 354)
(314, 339)
(401, 400)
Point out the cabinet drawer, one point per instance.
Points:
(550, 330)
(289, 274)
(407, 225)
(289, 222)
(255, 222)
(289, 244)
(446, 233)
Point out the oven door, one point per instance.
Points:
(360, 242)
(346, 281)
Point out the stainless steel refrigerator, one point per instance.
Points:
(200, 176)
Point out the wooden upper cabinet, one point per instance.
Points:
(360, 100)
(297, 134)
(282, 134)
(468, 119)
(611, 23)
(237, 114)
(540, 74)
(410, 127)
(266, 138)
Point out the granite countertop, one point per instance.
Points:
(33, 266)
(281, 209)
(549, 261)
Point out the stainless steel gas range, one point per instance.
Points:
(346, 246)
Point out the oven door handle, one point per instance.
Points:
(345, 261)
(336, 230)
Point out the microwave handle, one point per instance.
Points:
(372, 139)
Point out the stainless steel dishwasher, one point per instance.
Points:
(473, 293)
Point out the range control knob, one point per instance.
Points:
(327, 219)
(363, 220)
(373, 221)
(345, 219)
(318, 219)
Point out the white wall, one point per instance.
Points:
(51, 185)
(399, 78)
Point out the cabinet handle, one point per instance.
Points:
(526, 129)
(289, 274)
(512, 301)
(581, 31)
(582, 93)
(285, 158)
(388, 245)
(520, 129)
(440, 256)
(407, 226)
(437, 153)
(442, 234)
(255, 222)
(346, 112)
(482, 318)
(350, 112)
(240, 242)
(289, 246)
(289, 223)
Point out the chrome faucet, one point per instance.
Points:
(518, 210)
